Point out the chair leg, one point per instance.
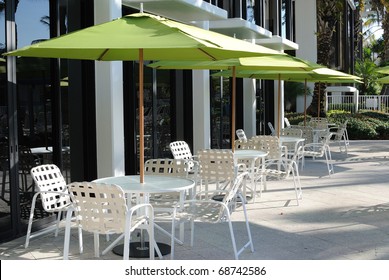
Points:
(96, 244)
(30, 220)
(67, 234)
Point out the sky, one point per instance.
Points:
(29, 27)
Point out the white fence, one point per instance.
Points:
(363, 102)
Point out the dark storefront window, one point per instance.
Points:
(35, 134)
(157, 113)
(5, 208)
(220, 113)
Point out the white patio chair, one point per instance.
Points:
(271, 127)
(181, 150)
(254, 167)
(217, 168)
(163, 203)
(241, 135)
(340, 136)
(210, 211)
(287, 123)
(54, 197)
(317, 150)
(287, 166)
(102, 209)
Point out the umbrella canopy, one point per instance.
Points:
(160, 39)
(321, 75)
(384, 80)
(271, 62)
(142, 37)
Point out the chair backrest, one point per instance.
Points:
(241, 135)
(341, 131)
(288, 131)
(270, 125)
(100, 208)
(307, 133)
(180, 150)
(48, 177)
(287, 123)
(168, 167)
(216, 165)
(269, 144)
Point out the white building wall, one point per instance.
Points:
(201, 105)
(306, 38)
(249, 107)
(109, 102)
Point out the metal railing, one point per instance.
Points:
(365, 102)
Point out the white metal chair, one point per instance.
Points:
(53, 193)
(216, 166)
(293, 146)
(210, 211)
(317, 150)
(287, 166)
(271, 127)
(254, 167)
(340, 136)
(241, 135)
(287, 123)
(163, 203)
(102, 209)
(181, 150)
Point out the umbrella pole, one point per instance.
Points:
(318, 102)
(279, 105)
(233, 101)
(141, 118)
(305, 102)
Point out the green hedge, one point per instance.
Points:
(366, 125)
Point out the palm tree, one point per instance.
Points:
(328, 16)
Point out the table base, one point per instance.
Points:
(136, 251)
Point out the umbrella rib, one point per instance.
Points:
(206, 53)
(103, 54)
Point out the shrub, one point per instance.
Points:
(366, 125)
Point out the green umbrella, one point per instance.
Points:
(321, 75)
(271, 62)
(384, 80)
(142, 37)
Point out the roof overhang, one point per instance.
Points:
(278, 43)
(239, 28)
(181, 10)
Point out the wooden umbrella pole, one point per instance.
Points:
(233, 101)
(318, 102)
(279, 106)
(305, 102)
(141, 118)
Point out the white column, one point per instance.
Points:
(201, 110)
(249, 107)
(109, 102)
(201, 105)
(306, 22)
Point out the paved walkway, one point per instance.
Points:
(342, 217)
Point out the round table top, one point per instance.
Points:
(242, 153)
(291, 139)
(152, 183)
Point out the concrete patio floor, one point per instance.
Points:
(342, 217)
